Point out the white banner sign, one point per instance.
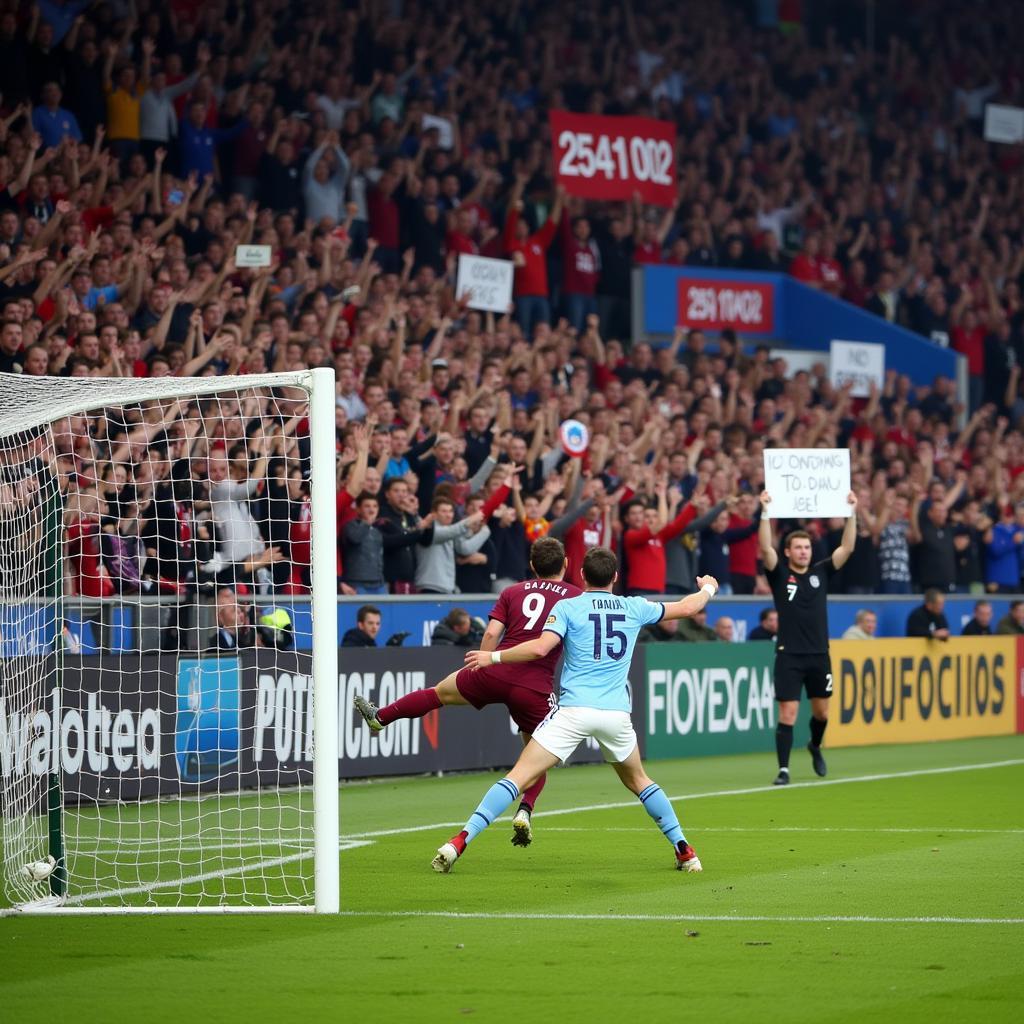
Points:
(443, 127)
(807, 483)
(252, 256)
(860, 362)
(1004, 124)
(487, 282)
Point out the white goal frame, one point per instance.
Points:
(47, 399)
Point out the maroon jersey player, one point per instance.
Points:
(519, 614)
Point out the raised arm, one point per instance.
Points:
(311, 161)
(483, 473)
(156, 204)
(54, 280)
(848, 541)
(110, 52)
(884, 514)
(769, 556)
(130, 292)
(536, 440)
(148, 48)
(357, 475)
(643, 444)
(1012, 390)
(556, 209)
(667, 220)
(146, 432)
(914, 523)
(217, 345)
(131, 195)
(439, 534)
(707, 517)
(955, 493)
(163, 325)
(515, 206)
(572, 515)
(676, 526)
(738, 533)
(20, 183)
(687, 607)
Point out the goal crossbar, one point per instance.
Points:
(39, 405)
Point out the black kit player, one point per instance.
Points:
(520, 614)
(802, 659)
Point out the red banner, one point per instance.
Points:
(712, 304)
(612, 157)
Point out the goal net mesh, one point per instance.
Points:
(155, 638)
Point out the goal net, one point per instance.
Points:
(167, 617)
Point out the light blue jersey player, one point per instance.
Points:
(598, 630)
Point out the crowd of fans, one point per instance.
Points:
(369, 145)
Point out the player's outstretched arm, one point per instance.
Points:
(690, 605)
(529, 650)
(849, 539)
(769, 556)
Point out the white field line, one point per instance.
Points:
(355, 839)
(677, 918)
(938, 830)
(206, 876)
(616, 805)
(164, 853)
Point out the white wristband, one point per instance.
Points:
(495, 657)
(710, 590)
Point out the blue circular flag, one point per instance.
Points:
(575, 438)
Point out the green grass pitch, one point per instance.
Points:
(885, 899)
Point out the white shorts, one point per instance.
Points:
(564, 729)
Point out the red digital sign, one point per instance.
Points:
(712, 304)
(600, 157)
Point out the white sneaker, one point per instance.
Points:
(687, 859)
(446, 857)
(522, 833)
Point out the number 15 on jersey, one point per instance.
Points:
(608, 640)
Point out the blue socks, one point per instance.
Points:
(659, 807)
(501, 795)
(495, 802)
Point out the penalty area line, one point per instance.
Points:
(748, 791)
(680, 918)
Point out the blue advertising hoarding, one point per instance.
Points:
(418, 616)
(774, 307)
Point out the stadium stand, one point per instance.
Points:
(142, 142)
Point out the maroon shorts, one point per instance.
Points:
(502, 684)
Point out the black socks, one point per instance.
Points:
(818, 726)
(784, 743)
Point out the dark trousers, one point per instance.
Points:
(530, 311)
(616, 317)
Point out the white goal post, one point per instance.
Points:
(168, 644)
